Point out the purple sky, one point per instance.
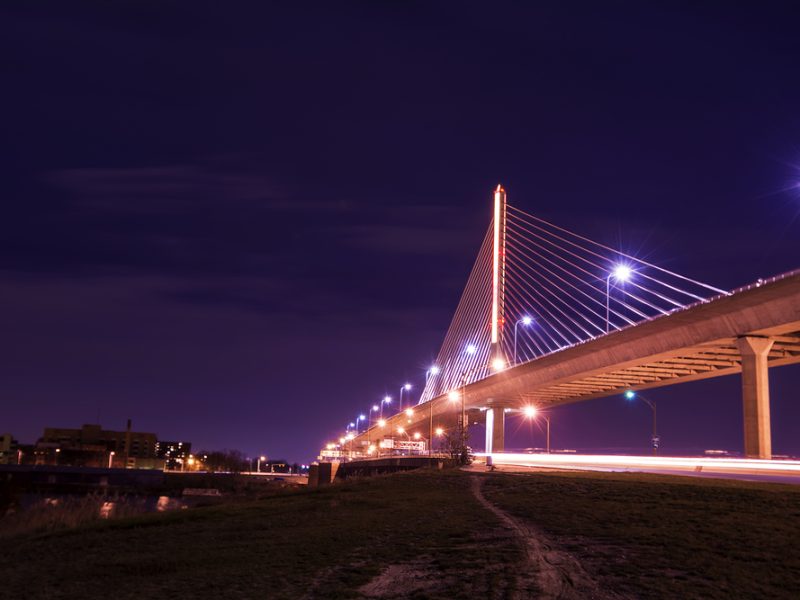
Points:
(240, 224)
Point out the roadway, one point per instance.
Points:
(774, 471)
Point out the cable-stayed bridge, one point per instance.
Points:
(550, 317)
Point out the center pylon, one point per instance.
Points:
(498, 274)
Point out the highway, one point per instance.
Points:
(776, 471)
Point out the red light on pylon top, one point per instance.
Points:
(500, 189)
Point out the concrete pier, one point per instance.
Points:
(495, 430)
(755, 395)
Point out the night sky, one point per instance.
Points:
(240, 224)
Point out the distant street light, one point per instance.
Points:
(621, 273)
(386, 400)
(404, 388)
(111, 458)
(526, 320)
(531, 412)
(260, 458)
(631, 395)
(433, 371)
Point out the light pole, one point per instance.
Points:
(531, 413)
(260, 458)
(630, 395)
(359, 418)
(433, 371)
(110, 458)
(386, 400)
(405, 387)
(58, 451)
(621, 273)
(526, 320)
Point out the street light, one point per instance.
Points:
(621, 273)
(531, 412)
(631, 395)
(111, 458)
(260, 458)
(386, 400)
(404, 388)
(526, 320)
(360, 418)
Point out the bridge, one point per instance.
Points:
(549, 317)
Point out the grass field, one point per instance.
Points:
(652, 536)
(424, 535)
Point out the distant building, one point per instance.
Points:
(174, 454)
(93, 446)
(8, 449)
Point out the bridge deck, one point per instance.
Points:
(698, 342)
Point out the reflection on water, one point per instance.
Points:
(104, 507)
(45, 512)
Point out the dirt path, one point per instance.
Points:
(558, 573)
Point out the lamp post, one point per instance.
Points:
(630, 395)
(260, 458)
(111, 458)
(621, 273)
(531, 412)
(404, 388)
(526, 320)
(386, 400)
(434, 370)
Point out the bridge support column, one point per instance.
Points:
(755, 396)
(495, 430)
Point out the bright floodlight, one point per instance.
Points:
(530, 411)
(409, 412)
(352, 424)
(417, 435)
(407, 387)
(454, 395)
(472, 349)
(387, 399)
(498, 364)
(362, 417)
(400, 430)
(330, 446)
(526, 320)
(341, 440)
(263, 458)
(434, 370)
(382, 423)
(349, 436)
(622, 273)
(439, 431)
(375, 407)
(630, 395)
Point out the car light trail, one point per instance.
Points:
(598, 461)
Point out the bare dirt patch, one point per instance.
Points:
(558, 573)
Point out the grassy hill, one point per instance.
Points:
(426, 535)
